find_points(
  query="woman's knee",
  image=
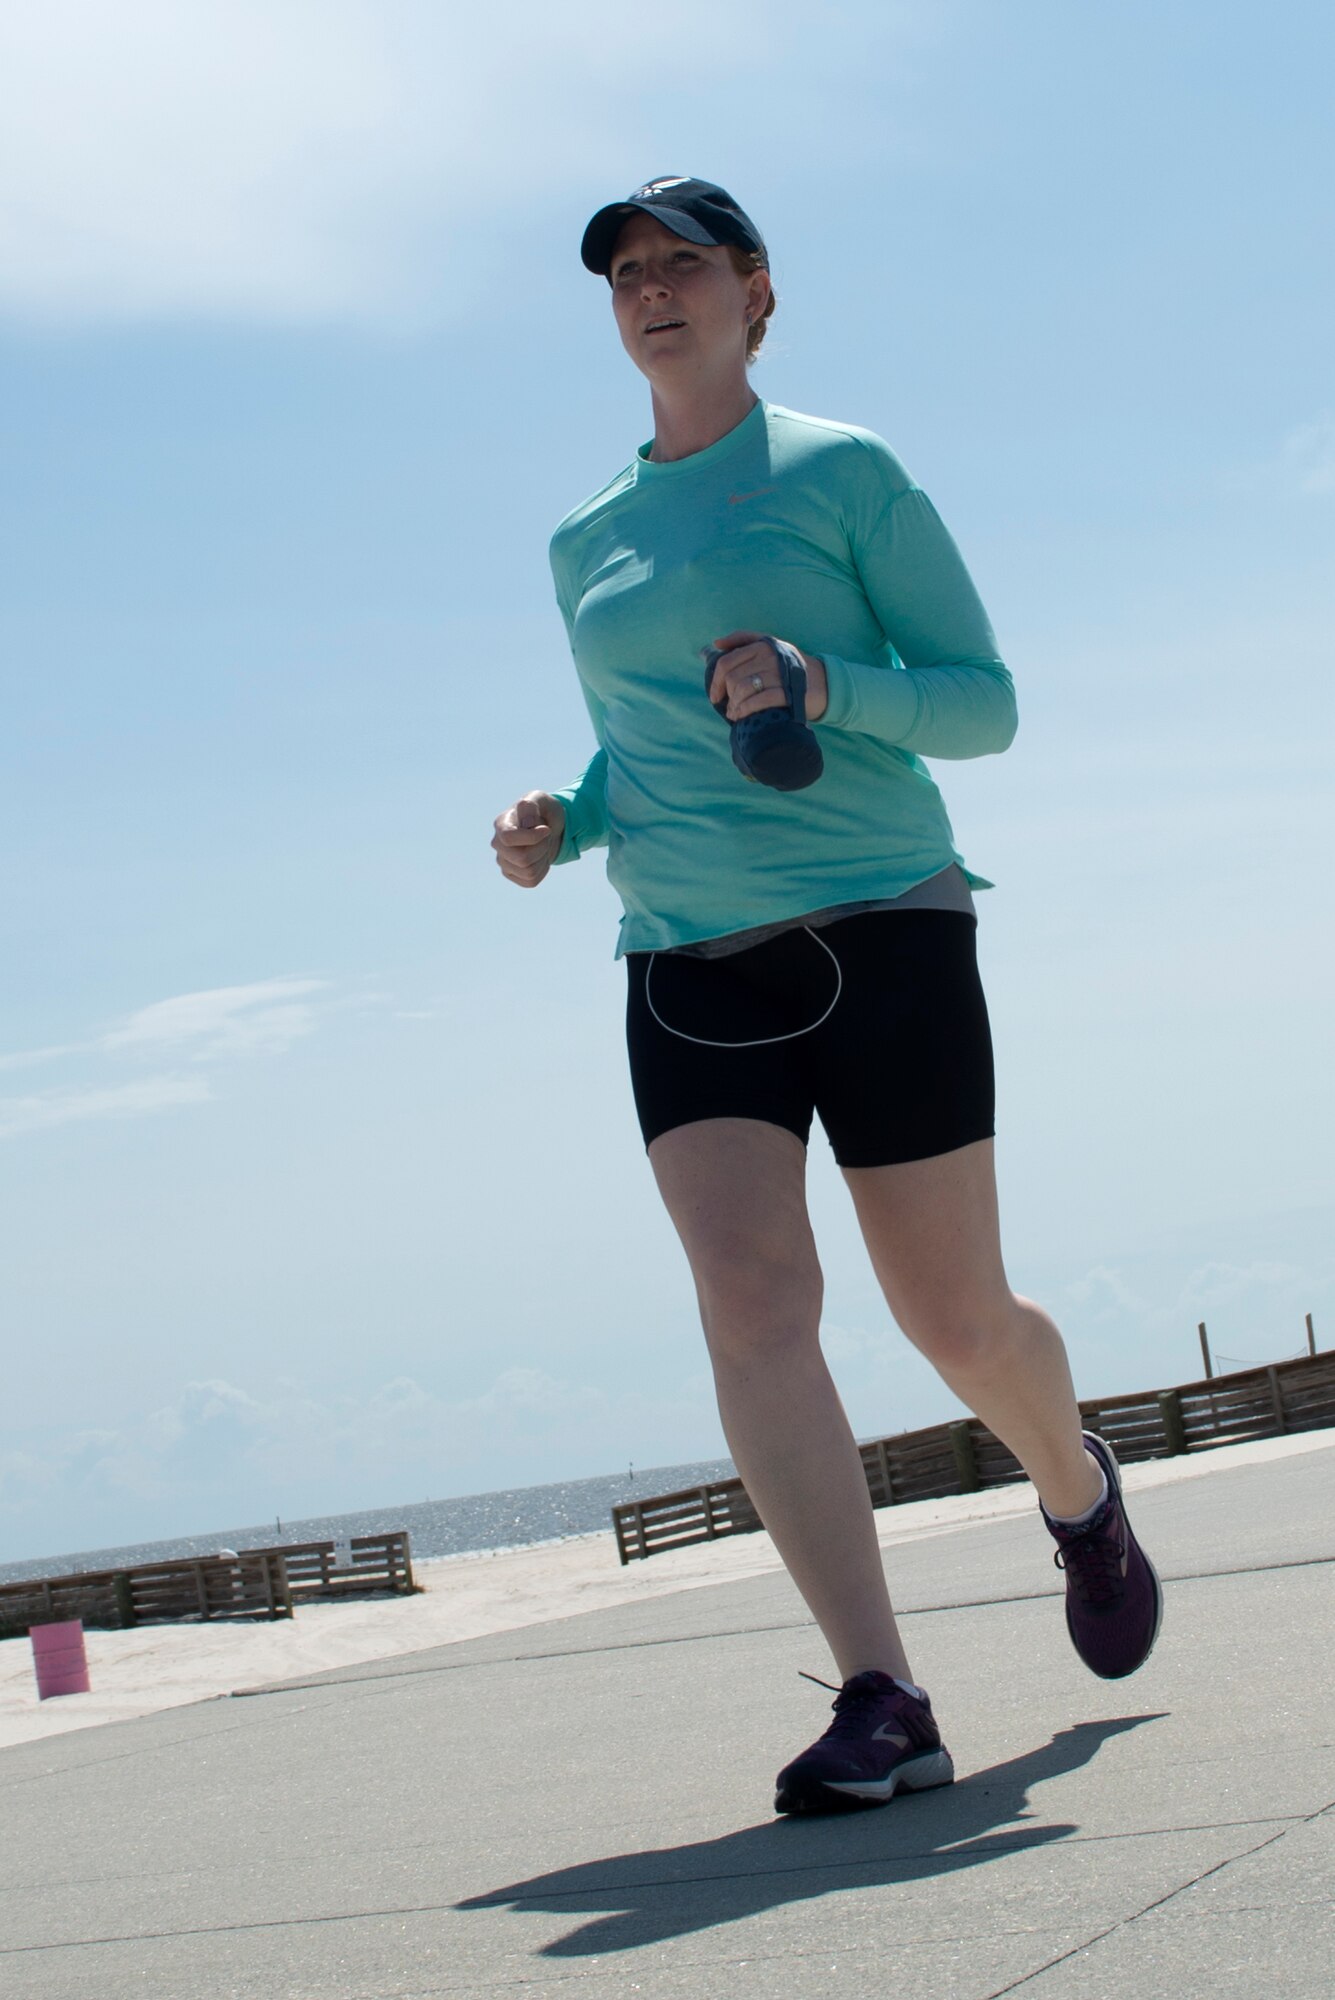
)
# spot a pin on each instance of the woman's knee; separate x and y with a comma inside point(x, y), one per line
point(754, 1306)
point(978, 1340)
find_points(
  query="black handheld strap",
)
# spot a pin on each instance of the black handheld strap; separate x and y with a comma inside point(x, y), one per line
point(775, 746)
point(792, 676)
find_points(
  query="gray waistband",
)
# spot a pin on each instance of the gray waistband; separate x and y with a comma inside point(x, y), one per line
point(947, 891)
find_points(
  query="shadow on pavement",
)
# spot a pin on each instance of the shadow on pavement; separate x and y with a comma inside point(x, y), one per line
point(660, 1893)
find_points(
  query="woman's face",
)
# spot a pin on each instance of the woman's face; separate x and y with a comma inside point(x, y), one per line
point(680, 307)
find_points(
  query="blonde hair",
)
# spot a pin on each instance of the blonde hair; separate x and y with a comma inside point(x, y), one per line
point(745, 263)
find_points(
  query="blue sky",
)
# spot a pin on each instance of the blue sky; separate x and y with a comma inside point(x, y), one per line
point(319, 1182)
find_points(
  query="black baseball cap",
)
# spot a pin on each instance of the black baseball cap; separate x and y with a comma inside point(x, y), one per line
point(697, 210)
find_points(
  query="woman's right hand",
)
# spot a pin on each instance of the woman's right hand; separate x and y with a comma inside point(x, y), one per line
point(528, 838)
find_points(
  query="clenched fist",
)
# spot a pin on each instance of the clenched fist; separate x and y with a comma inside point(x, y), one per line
point(528, 838)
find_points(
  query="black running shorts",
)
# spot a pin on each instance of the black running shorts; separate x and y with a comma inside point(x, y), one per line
point(876, 1022)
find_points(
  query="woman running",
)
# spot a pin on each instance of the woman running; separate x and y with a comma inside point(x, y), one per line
point(805, 944)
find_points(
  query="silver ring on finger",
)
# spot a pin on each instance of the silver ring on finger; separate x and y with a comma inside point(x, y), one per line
point(757, 682)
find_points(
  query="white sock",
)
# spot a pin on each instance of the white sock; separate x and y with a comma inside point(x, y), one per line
point(1083, 1520)
point(919, 1694)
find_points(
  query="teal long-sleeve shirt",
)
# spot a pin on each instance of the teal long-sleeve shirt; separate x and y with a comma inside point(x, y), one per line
point(815, 532)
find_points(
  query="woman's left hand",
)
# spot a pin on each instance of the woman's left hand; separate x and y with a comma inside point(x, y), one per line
point(749, 674)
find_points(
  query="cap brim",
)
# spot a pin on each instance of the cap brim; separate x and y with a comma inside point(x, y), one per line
point(601, 235)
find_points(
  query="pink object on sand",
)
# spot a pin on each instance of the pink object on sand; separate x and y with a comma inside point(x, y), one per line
point(59, 1657)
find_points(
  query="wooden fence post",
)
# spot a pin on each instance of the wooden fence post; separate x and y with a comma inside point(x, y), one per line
point(120, 1584)
point(966, 1461)
point(1205, 1351)
point(1174, 1430)
point(883, 1454)
point(275, 1577)
point(1311, 1337)
point(1277, 1400)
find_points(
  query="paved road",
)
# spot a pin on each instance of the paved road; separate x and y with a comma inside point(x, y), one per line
point(582, 1809)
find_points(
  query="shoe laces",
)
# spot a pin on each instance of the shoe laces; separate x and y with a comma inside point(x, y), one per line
point(853, 1704)
point(1092, 1561)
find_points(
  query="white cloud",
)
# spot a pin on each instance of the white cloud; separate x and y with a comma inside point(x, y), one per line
point(1253, 1314)
point(306, 160)
point(343, 160)
point(530, 1389)
point(1103, 1297)
point(217, 1450)
point(1309, 456)
point(855, 1343)
point(1213, 1285)
point(30, 1058)
point(1103, 1300)
point(264, 1018)
point(126, 1100)
point(32, 1479)
point(220, 1024)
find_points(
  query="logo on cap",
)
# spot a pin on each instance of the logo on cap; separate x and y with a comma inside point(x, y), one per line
point(657, 187)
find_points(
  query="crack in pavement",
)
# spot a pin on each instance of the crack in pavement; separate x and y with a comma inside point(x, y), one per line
point(352, 1677)
point(1159, 1902)
point(139, 1752)
point(1021, 1839)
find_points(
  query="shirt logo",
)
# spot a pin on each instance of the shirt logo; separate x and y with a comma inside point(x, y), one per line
point(736, 499)
point(657, 187)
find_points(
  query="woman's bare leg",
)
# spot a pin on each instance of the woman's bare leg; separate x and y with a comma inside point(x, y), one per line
point(932, 1232)
point(736, 1191)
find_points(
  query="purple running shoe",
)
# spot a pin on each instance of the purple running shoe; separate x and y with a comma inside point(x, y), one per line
point(1114, 1600)
point(883, 1740)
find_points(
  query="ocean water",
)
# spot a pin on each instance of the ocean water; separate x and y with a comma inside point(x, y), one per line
point(472, 1523)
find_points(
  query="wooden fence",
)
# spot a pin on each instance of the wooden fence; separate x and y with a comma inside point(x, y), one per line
point(964, 1457)
point(376, 1562)
point(254, 1583)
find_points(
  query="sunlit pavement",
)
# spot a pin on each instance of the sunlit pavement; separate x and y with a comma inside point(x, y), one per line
point(583, 1807)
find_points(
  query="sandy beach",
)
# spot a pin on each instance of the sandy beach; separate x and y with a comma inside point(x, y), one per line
point(154, 1667)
